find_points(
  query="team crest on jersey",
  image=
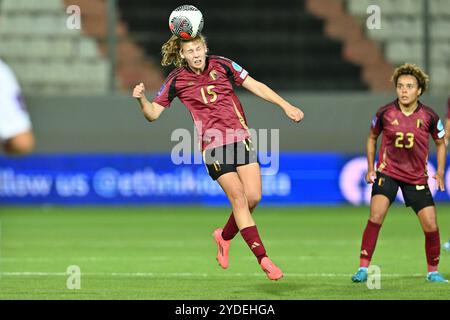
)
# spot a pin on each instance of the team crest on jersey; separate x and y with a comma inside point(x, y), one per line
point(213, 74)
point(419, 123)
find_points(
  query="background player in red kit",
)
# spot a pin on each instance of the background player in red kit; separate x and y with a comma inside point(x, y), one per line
point(204, 84)
point(446, 245)
point(405, 125)
point(447, 123)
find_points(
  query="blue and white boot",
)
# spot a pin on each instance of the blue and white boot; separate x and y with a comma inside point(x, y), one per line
point(435, 277)
point(360, 275)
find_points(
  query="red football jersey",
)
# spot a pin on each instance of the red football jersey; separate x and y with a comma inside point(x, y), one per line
point(404, 143)
point(216, 110)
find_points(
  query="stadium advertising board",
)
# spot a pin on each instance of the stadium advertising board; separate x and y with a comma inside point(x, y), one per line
point(302, 178)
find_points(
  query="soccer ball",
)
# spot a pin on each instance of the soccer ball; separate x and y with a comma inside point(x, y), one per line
point(446, 246)
point(186, 22)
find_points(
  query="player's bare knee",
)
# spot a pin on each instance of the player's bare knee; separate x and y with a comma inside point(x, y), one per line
point(238, 199)
point(253, 200)
point(429, 226)
point(376, 217)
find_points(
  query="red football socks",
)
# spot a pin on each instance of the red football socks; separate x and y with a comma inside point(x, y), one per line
point(369, 241)
point(251, 236)
point(432, 249)
point(230, 229)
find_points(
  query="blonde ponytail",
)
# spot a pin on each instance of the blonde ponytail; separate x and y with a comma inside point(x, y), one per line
point(170, 50)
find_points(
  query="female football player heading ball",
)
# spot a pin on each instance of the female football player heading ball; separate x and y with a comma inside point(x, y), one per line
point(405, 125)
point(204, 84)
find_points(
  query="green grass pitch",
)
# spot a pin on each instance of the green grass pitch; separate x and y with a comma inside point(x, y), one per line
point(168, 253)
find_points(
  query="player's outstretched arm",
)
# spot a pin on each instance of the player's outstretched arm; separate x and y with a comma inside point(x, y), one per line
point(441, 156)
point(447, 131)
point(151, 110)
point(371, 148)
point(263, 91)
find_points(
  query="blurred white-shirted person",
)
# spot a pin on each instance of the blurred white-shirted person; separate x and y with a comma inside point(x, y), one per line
point(16, 133)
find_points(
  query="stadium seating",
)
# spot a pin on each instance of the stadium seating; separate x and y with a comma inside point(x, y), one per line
point(48, 57)
point(288, 47)
point(283, 46)
point(402, 31)
point(51, 59)
point(357, 48)
point(41, 6)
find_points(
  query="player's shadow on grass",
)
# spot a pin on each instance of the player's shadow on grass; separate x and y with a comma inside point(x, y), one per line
point(281, 288)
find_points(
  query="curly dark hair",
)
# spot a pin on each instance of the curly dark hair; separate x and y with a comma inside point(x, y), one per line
point(413, 70)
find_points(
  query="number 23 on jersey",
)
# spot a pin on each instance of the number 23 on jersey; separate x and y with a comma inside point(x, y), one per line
point(400, 140)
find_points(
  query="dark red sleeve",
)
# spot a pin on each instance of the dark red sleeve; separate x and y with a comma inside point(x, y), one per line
point(448, 108)
point(436, 129)
point(377, 122)
point(237, 73)
point(166, 93)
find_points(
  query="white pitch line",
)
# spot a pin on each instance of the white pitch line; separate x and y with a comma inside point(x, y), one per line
point(53, 259)
point(204, 275)
point(148, 258)
point(148, 244)
point(159, 258)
